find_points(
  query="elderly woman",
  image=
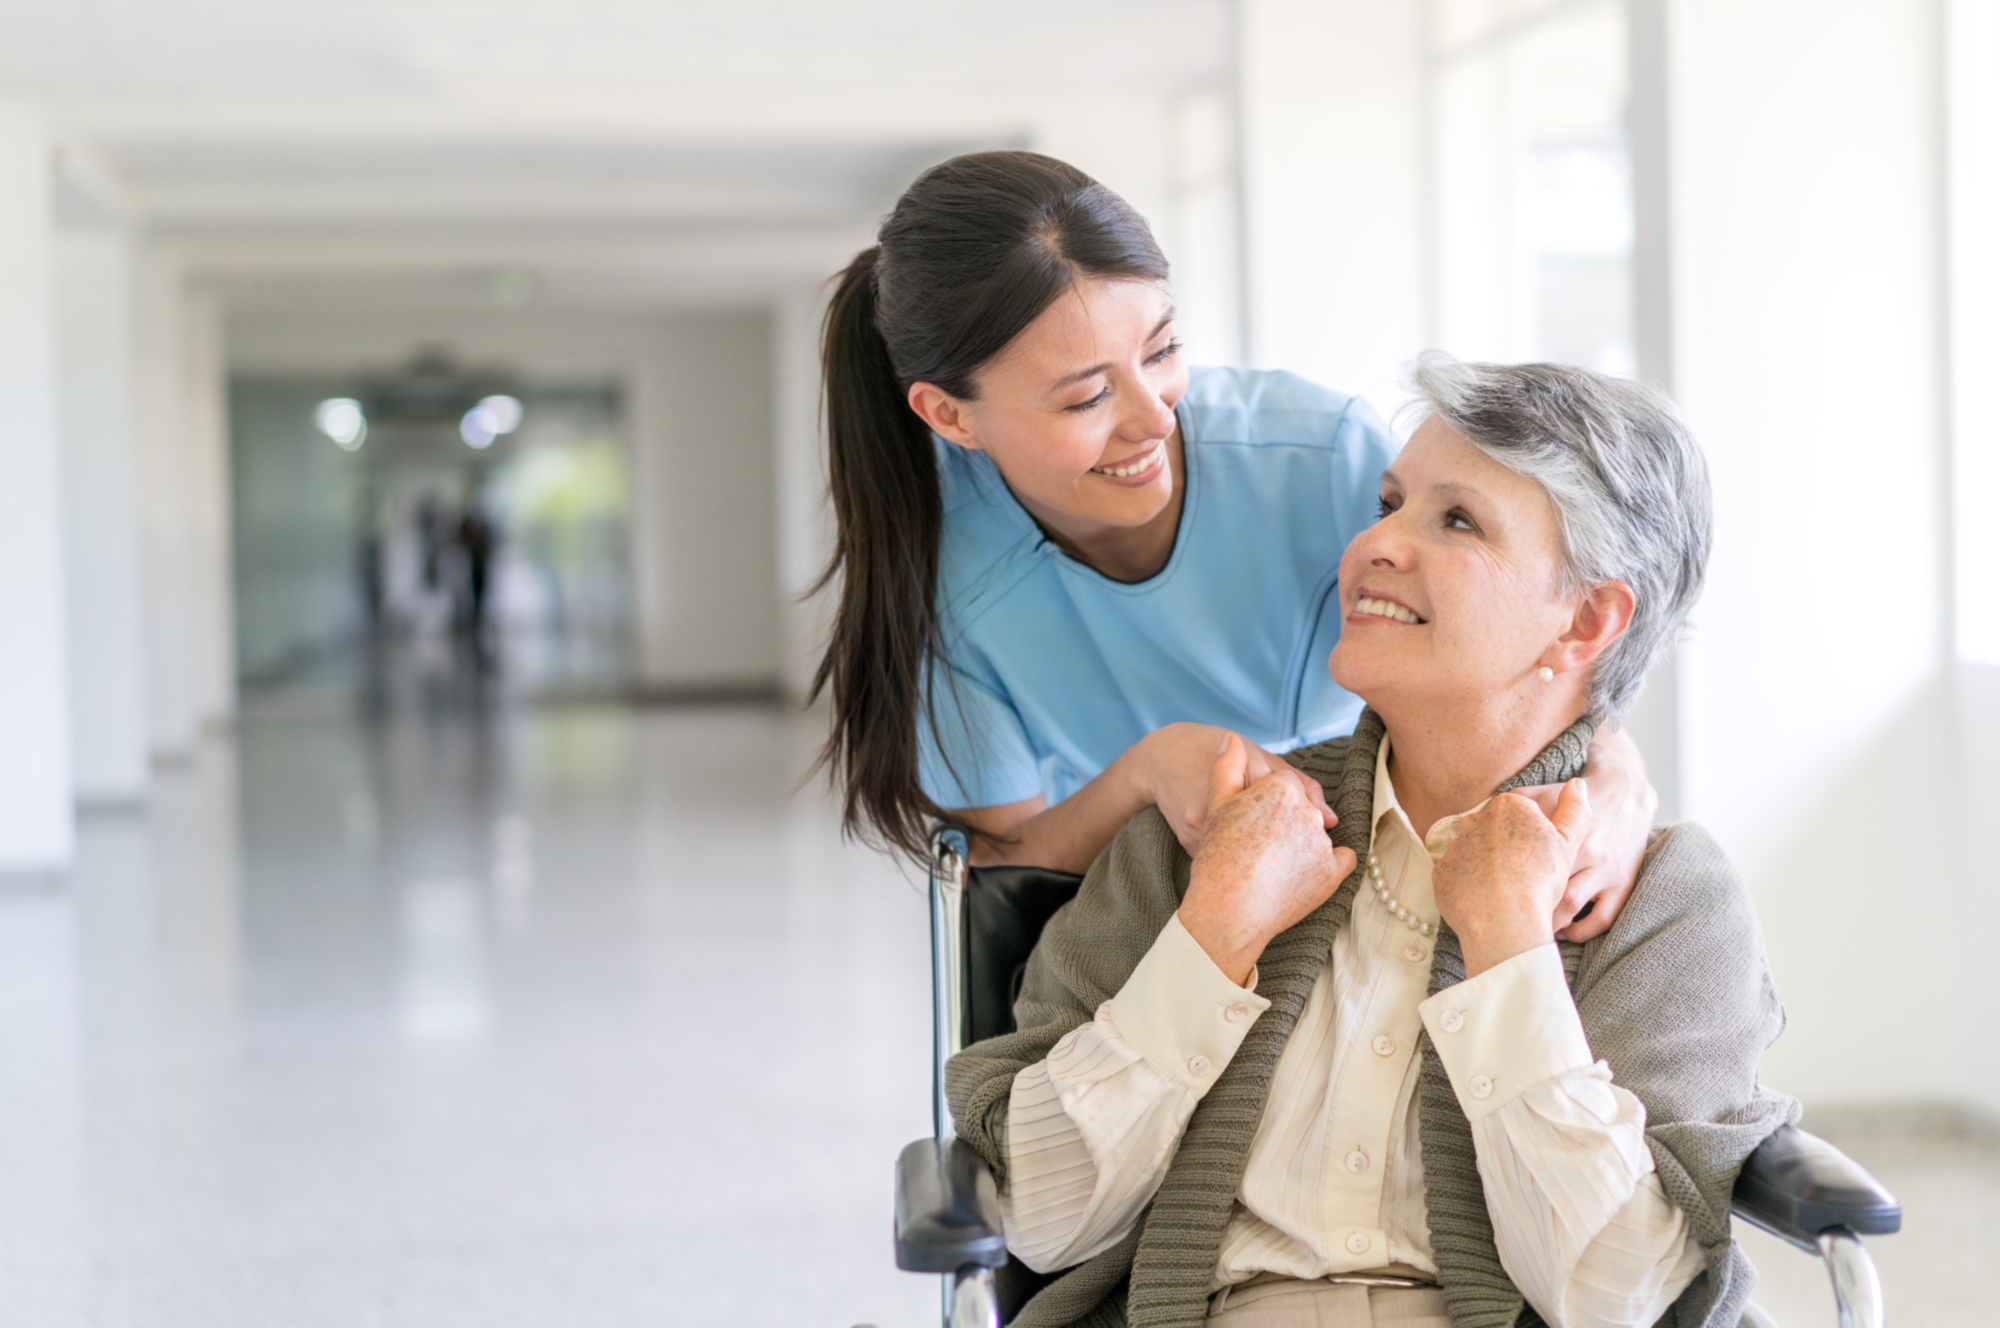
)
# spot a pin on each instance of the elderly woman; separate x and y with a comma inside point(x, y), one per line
point(1352, 1078)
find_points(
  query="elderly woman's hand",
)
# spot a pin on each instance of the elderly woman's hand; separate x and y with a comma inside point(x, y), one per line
point(1265, 861)
point(1498, 884)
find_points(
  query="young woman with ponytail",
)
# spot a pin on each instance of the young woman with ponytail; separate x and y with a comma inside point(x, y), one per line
point(1071, 568)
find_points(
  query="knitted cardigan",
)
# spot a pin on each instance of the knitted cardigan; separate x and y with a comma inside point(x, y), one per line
point(1676, 996)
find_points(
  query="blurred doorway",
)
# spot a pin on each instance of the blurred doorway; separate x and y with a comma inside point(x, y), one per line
point(438, 529)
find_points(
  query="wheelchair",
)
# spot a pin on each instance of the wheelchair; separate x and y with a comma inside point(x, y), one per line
point(984, 923)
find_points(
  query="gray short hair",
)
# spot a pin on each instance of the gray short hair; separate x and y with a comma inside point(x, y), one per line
point(1629, 483)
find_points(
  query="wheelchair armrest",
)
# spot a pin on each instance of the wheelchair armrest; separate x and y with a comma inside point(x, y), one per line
point(1797, 1185)
point(947, 1209)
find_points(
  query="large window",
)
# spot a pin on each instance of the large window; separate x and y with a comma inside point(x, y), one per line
point(1532, 189)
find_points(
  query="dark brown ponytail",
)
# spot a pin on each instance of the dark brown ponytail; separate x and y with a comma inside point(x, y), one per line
point(973, 253)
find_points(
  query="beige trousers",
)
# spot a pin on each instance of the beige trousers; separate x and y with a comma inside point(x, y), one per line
point(1290, 1303)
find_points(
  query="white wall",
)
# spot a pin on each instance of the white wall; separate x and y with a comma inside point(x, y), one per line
point(804, 516)
point(1334, 152)
point(1972, 146)
point(1816, 717)
point(1203, 230)
point(1973, 792)
point(707, 614)
point(107, 682)
point(35, 796)
point(1972, 159)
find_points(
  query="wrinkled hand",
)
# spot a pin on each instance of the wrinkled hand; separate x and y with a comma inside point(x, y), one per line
point(1178, 763)
point(1498, 884)
point(1623, 804)
point(1265, 861)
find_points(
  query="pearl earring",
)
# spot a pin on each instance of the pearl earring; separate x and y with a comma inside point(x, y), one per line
point(1545, 673)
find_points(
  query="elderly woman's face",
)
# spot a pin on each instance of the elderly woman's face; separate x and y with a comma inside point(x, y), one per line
point(1456, 592)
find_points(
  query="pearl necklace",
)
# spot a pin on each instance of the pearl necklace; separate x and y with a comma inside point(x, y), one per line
point(1381, 888)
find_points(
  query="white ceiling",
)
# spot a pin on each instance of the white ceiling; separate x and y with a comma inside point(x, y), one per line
point(133, 51)
point(303, 153)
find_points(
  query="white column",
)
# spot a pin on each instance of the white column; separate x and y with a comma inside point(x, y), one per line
point(1972, 46)
point(1333, 142)
point(1973, 161)
point(1807, 339)
point(166, 543)
point(100, 514)
point(36, 830)
point(205, 439)
point(805, 520)
point(1655, 719)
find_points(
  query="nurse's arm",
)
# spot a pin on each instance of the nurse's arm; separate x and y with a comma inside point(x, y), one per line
point(1170, 768)
point(1624, 803)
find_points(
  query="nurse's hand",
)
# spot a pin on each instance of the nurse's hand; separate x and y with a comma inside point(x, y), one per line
point(1623, 805)
point(1265, 862)
point(1177, 767)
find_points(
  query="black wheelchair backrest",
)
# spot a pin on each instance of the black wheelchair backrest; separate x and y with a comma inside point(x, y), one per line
point(1005, 911)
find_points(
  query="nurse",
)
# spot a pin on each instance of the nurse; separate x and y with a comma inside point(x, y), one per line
point(1071, 567)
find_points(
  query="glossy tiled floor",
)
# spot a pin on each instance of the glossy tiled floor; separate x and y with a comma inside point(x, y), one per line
point(560, 1016)
point(571, 1017)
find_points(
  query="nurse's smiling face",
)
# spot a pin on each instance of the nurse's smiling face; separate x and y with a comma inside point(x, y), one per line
point(1078, 414)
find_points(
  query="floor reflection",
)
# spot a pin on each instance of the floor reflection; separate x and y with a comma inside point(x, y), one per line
point(560, 1015)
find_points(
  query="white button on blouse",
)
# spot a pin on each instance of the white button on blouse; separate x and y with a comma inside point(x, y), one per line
point(1451, 1021)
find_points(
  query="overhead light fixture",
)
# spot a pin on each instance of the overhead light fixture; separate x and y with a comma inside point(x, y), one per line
point(492, 417)
point(341, 419)
point(506, 412)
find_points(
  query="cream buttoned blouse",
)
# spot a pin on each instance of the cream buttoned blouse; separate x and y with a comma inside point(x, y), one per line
point(1334, 1183)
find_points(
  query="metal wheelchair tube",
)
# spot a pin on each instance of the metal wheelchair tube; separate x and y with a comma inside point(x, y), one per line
point(949, 853)
point(973, 1302)
point(1857, 1292)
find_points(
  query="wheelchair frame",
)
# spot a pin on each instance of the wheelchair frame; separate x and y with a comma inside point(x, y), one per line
point(1795, 1186)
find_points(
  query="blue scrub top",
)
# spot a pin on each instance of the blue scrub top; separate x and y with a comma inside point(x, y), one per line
point(1055, 669)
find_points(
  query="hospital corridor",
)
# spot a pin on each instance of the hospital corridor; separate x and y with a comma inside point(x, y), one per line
point(466, 823)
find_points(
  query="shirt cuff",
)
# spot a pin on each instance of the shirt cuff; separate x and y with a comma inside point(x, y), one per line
point(1510, 1028)
point(1181, 1013)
